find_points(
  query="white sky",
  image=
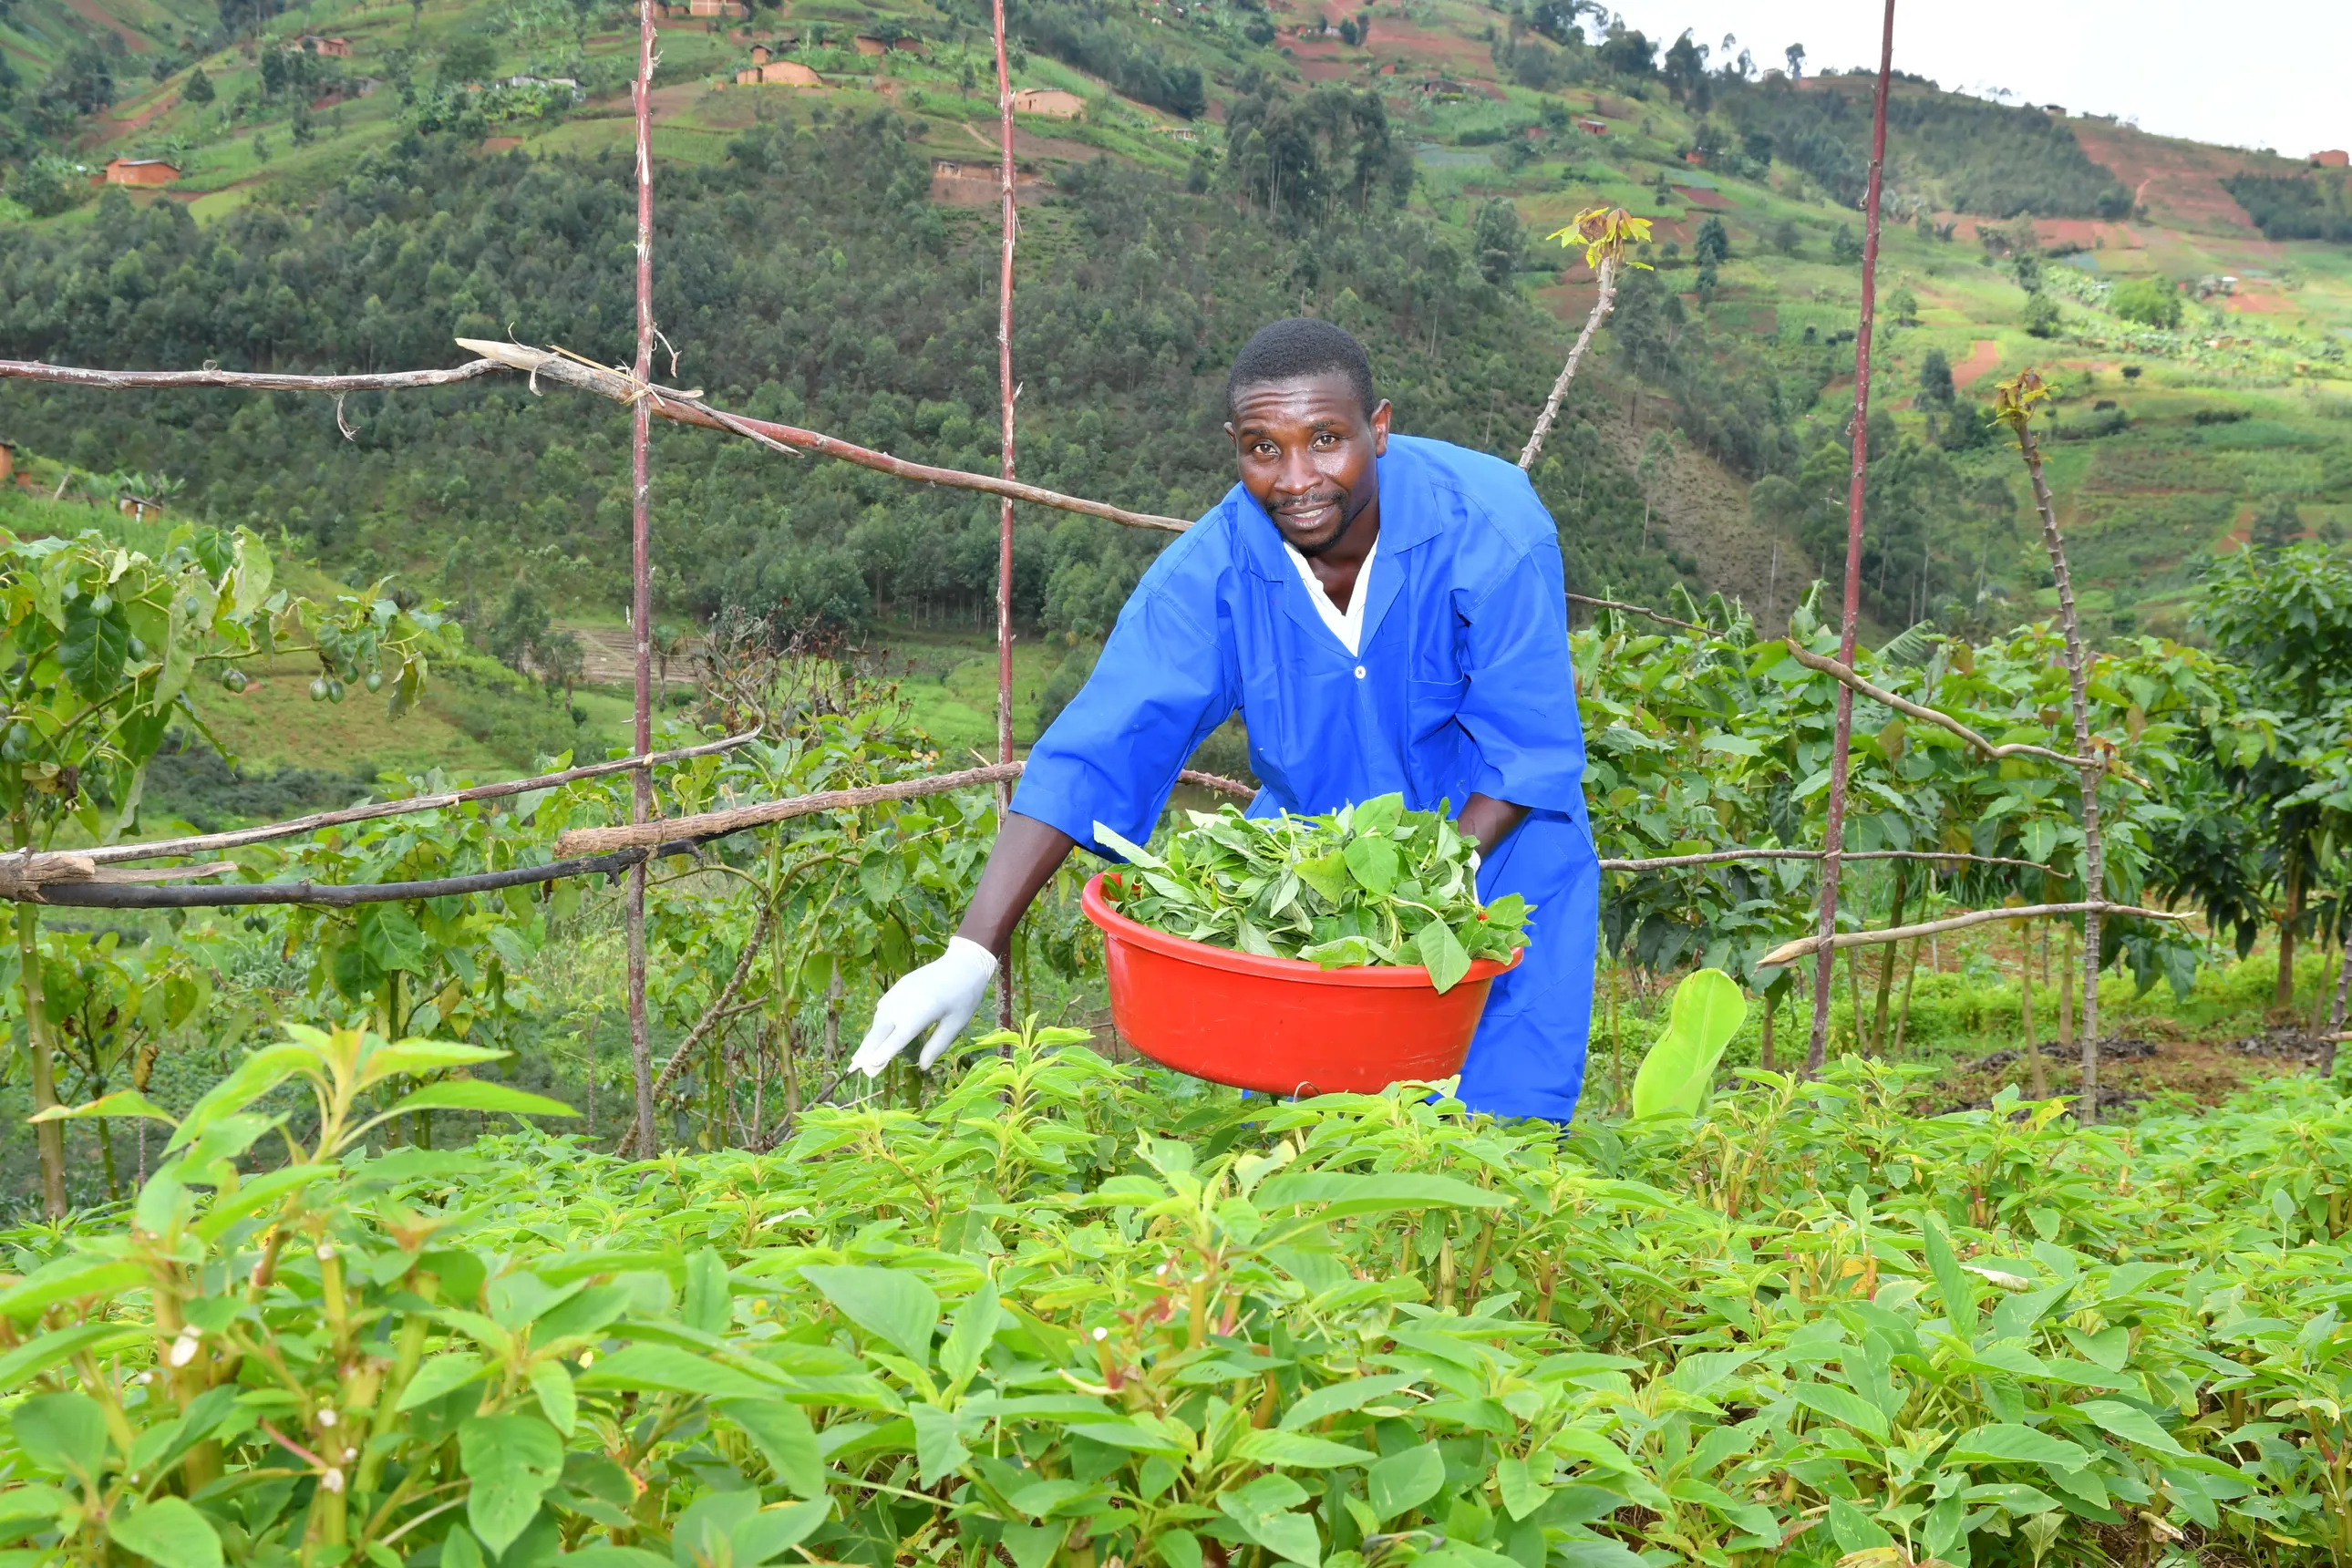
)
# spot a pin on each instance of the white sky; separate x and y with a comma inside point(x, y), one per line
point(2270, 73)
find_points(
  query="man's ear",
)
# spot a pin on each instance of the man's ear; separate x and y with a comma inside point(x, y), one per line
point(1380, 428)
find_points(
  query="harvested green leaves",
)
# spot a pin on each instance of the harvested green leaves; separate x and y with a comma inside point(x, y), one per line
point(1374, 884)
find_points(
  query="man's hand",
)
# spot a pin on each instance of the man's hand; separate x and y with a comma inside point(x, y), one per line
point(940, 996)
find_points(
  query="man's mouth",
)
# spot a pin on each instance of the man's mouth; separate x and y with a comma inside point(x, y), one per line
point(1309, 514)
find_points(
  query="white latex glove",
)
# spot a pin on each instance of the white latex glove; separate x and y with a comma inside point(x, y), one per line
point(940, 996)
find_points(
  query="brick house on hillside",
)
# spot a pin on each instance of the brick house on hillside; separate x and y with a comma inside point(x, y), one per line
point(2333, 158)
point(333, 49)
point(140, 171)
point(1052, 101)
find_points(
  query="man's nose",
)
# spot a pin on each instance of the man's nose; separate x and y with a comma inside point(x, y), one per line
point(1297, 473)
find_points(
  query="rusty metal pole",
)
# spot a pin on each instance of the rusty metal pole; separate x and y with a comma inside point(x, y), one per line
point(1004, 391)
point(1842, 745)
point(641, 801)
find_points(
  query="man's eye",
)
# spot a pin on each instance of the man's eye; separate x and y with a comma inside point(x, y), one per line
point(1324, 439)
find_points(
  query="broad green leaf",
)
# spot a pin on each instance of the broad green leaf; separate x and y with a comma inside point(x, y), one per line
point(64, 1434)
point(168, 1532)
point(1842, 1405)
point(771, 1532)
point(1521, 1493)
point(1135, 853)
point(896, 1307)
point(1328, 875)
point(57, 1346)
point(1441, 954)
point(435, 1378)
point(126, 1102)
point(552, 1386)
point(417, 1057)
point(2011, 1443)
point(67, 1278)
point(781, 1431)
point(1338, 1195)
point(974, 1327)
point(93, 648)
point(1404, 1481)
point(709, 1308)
point(940, 1449)
point(1952, 1282)
point(666, 1369)
point(2131, 1424)
point(493, 1098)
point(511, 1460)
point(1373, 864)
point(1678, 1071)
point(1274, 1445)
point(1340, 1397)
point(254, 1076)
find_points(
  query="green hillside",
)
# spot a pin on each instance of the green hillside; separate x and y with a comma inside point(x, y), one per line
point(826, 253)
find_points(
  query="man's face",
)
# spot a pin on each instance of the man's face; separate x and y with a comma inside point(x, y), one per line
point(1305, 448)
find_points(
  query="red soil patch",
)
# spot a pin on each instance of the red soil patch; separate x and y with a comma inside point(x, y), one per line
point(1326, 68)
point(1714, 201)
point(979, 184)
point(501, 143)
point(2177, 183)
point(1027, 145)
point(139, 122)
point(89, 11)
point(2258, 301)
point(1984, 355)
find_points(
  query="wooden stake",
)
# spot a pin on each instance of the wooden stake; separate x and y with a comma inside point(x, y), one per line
point(1842, 740)
point(1005, 393)
point(641, 581)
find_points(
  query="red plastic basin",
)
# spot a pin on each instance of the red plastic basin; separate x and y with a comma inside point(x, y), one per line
point(1282, 1024)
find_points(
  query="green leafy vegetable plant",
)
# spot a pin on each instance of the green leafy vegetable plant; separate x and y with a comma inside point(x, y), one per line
point(1372, 884)
point(1706, 1011)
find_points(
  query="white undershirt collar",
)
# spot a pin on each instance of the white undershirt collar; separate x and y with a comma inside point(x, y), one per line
point(1347, 624)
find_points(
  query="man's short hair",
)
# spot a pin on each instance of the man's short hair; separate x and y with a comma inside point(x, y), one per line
point(1296, 348)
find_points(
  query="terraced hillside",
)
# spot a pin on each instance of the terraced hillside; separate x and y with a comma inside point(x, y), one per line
point(1705, 435)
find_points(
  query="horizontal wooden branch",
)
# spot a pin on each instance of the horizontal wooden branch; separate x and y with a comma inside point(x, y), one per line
point(1721, 857)
point(1639, 610)
point(1832, 669)
point(110, 895)
point(243, 380)
point(206, 843)
point(1789, 953)
point(735, 819)
point(687, 408)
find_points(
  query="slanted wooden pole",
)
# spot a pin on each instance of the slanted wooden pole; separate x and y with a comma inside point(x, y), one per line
point(641, 616)
point(1841, 742)
point(1004, 391)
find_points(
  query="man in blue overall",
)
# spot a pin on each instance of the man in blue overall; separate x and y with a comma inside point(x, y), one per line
point(1387, 613)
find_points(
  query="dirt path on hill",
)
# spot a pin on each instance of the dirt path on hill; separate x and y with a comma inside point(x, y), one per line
point(90, 11)
point(1984, 356)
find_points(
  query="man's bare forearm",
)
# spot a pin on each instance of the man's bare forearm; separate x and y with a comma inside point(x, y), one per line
point(1027, 855)
point(1490, 821)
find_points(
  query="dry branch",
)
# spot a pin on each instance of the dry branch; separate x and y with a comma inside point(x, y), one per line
point(243, 380)
point(1843, 673)
point(735, 819)
point(687, 409)
point(716, 1012)
point(1720, 856)
point(1607, 273)
point(1639, 610)
point(1858, 433)
point(206, 843)
point(121, 895)
point(1789, 953)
